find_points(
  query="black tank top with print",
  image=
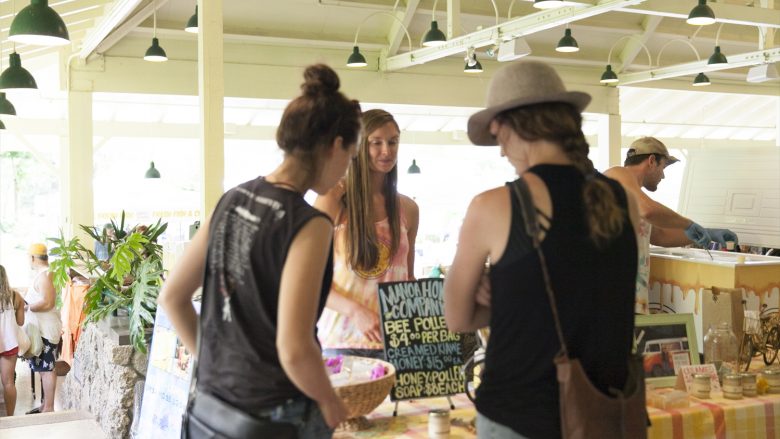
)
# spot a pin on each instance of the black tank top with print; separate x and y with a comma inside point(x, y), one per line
point(250, 234)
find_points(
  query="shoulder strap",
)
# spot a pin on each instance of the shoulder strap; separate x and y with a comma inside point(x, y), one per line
point(523, 195)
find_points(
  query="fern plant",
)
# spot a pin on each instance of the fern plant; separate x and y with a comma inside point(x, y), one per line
point(130, 279)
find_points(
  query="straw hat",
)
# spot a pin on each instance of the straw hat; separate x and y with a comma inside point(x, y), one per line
point(38, 249)
point(518, 84)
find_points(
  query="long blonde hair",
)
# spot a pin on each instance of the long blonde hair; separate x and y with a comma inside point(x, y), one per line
point(561, 123)
point(6, 293)
point(361, 240)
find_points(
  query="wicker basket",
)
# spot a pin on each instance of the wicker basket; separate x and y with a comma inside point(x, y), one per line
point(363, 397)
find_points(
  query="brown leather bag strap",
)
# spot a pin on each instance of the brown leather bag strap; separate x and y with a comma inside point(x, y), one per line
point(523, 195)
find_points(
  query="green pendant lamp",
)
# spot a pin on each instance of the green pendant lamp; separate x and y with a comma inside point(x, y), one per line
point(609, 76)
point(701, 80)
point(472, 65)
point(356, 59)
point(413, 169)
point(2, 125)
point(6, 107)
point(152, 172)
point(40, 25)
point(155, 53)
point(434, 37)
point(16, 76)
point(717, 57)
point(567, 44)
point(192, 23)
point(701, 15)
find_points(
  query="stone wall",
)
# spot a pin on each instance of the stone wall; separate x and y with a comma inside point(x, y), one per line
point(102, 380)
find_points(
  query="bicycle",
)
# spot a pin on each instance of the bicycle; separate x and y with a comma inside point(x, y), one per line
point(761, 335)
point(473, 368)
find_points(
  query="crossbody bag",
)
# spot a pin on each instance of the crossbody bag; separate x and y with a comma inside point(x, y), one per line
point(208, 417)
point(585, 411)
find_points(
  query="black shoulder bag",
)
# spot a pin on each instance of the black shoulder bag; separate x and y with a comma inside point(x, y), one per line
point(586, 412)
point(208, 417)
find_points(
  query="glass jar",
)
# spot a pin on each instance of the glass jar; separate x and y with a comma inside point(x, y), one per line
point(720, 348)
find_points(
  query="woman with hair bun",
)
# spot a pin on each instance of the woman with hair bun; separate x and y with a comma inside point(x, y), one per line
point(264, 260)
point(587, 226)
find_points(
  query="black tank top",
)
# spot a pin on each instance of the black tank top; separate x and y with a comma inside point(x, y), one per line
point(594, 290)
point(250, 233)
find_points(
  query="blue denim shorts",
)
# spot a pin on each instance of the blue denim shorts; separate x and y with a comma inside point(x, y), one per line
point(302, 412)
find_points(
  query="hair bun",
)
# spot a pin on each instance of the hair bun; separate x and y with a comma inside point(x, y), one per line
point(320, 79)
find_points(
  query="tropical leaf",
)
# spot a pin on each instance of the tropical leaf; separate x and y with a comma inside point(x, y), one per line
point(145, 290)
point(125, 254)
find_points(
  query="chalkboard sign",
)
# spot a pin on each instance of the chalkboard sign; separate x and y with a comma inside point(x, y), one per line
point(426, 355)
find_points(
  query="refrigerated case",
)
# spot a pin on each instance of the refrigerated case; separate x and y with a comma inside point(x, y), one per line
point(679, 277)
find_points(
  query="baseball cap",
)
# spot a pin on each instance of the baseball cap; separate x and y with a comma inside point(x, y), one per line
point(38, 249)
point(650, 145)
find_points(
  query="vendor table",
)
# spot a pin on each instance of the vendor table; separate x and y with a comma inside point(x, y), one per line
point(719, 418)
point(716, 418)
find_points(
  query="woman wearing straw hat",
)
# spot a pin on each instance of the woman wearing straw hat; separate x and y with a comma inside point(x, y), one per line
point(587, 234)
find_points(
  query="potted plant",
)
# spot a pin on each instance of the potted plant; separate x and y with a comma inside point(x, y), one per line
point(126, 273)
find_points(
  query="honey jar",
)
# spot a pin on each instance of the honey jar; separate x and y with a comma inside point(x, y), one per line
point(701, 386)
point(749, 384)
point(732, 386)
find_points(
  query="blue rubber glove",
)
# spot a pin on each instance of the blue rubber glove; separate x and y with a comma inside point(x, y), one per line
point(723, 235)
point(698, 235)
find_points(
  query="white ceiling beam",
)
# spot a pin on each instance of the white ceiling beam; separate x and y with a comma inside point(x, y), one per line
point(516, 27)
point(453, 19)
point(117, 13)
point(396, 31)
point(634, 45)
point(724, 13)
point(122, 31)
point(693, 68)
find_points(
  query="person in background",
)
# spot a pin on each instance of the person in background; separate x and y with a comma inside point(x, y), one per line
point(11, 316)
point(374, 237)
point(267, 258)
point(644, 166)
point(41, 298)
point(588, 238)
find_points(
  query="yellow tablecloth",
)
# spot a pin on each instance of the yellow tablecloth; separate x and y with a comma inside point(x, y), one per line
point(719, 418)
point(747, 418)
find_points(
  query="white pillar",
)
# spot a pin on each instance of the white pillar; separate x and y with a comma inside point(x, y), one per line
point(609, 141)
point(77, 170)
point(211, 89)
point(453, 19)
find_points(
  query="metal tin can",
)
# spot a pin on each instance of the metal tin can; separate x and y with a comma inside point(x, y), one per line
point(772, 377)
point(749, 384)
point(438, 423)
point(732, 386)
point(701, 385)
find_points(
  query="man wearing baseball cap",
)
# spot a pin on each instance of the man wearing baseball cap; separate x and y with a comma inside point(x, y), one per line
point(644, 167)
point(41, 297)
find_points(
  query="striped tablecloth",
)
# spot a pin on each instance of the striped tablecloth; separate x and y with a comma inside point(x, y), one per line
point(719, 418)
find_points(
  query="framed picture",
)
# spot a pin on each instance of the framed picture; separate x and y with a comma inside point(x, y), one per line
point(666, 342)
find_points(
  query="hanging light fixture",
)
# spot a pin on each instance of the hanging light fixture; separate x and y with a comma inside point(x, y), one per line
point(701, 80)
point(155, 53)
point(609, 76)
point(152, 172)
point(192, 23)
point(472, 65)
point(717, 57)
point(6, 107)
point(40, 25)
point(356, 59)
point(701, 15)
point(413, 169)
point(16, 76)
point(434, 37)
point(2, 125)
point(567, 43)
